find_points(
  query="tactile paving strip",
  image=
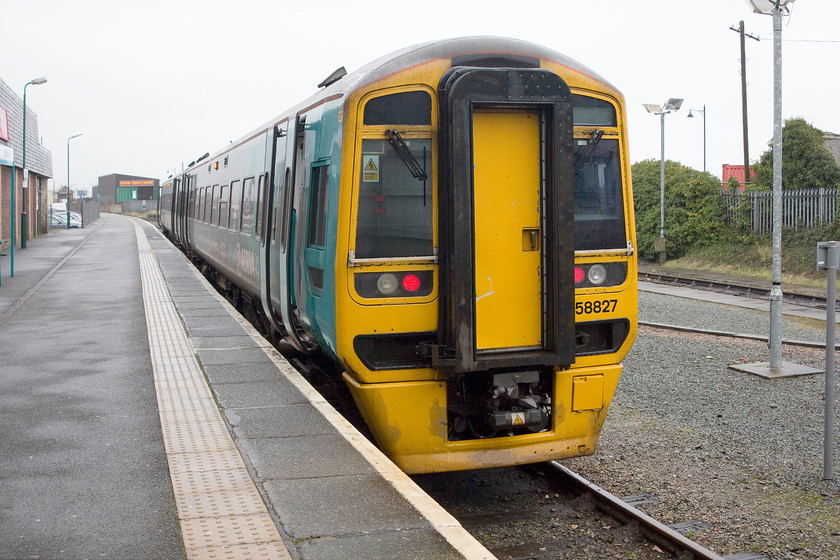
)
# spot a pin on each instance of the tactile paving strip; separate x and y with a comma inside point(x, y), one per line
point(221, 511)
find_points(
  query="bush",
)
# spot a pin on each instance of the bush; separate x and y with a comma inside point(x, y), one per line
point(694, 209)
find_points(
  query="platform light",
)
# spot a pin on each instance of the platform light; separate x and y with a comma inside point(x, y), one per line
point(673, 104)
point(23, 217)
point(775, 8)
point(68, 176)
point(766, 7)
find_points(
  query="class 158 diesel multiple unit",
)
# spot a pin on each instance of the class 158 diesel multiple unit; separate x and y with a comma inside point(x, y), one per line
point(452, 226)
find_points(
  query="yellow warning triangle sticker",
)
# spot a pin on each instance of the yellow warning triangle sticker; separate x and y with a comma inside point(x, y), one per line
point(518, 419)
point(370, 166)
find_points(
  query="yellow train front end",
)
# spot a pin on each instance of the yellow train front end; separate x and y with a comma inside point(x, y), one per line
point(489, 290)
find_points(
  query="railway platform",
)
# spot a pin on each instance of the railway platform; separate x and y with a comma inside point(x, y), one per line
point(144, 418)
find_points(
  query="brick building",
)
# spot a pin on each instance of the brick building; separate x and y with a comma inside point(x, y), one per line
point(33, 199)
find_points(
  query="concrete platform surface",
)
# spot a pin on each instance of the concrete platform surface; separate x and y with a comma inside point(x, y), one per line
point(144, 418)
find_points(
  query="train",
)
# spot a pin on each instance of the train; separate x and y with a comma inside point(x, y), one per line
point(451, 225)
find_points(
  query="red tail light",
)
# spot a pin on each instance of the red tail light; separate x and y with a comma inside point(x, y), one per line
point(411, 283)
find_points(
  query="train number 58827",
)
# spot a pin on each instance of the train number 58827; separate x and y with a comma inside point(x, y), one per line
point(598, 306)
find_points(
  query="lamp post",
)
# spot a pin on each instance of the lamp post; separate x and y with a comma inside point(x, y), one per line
point(23, 215)
point(691, 116)
point(68, 176)
point(775, 8)
point(671, 105)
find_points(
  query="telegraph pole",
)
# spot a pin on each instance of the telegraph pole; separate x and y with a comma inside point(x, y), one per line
point(740, 31)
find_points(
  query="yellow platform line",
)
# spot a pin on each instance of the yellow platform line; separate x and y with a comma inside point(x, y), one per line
point(221, 512)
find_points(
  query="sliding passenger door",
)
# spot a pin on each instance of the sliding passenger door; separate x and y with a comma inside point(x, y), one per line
point(278, 268)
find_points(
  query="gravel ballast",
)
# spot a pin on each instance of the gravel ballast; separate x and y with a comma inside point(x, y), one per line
point(742, 454)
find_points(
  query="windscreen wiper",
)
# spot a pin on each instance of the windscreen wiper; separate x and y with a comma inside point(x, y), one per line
point(594, 138)
point(402, 150)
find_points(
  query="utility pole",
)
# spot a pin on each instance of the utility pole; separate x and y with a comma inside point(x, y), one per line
point(740, 30)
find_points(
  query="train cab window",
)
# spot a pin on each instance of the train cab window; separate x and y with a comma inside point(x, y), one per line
point(395, 203)
point(590, 111)
point(248, 199)
point(395, 206)
point(406, 108)
point(599, 201)
point(235, 204)
point(599, 198)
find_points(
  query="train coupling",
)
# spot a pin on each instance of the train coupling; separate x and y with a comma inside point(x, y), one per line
point(514, 404)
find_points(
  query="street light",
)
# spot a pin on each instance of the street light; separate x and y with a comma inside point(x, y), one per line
point(775, 8)
point(672, 105)
point(68, 176)
point(23, 216)
point(691, 116)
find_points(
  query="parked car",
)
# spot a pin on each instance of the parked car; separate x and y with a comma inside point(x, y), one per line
point(59, 221)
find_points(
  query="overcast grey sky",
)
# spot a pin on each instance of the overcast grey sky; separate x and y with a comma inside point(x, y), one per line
point(154, 84)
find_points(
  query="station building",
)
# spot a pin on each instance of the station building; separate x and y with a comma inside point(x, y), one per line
point(30, 197)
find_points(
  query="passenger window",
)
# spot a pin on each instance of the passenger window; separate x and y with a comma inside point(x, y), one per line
point(261, 205)
point(248, 206)
point(224, 206)
point(235, 204)
point(318, 206)
point(214, 208)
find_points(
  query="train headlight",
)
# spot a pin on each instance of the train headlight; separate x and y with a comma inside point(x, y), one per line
point(398, 284)
point(387, 284)
point(600, 275)
point(597, 274)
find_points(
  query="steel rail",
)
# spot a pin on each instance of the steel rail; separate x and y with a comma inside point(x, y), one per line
point(662, 535)
point(734, 288)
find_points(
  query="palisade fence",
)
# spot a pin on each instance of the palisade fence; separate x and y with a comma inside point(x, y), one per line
point(139, 205)
point(801, 208)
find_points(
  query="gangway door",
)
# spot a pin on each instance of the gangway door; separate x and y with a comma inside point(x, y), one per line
point(506, 220)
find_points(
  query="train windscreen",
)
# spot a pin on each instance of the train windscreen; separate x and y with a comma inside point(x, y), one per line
point(599, 197)
point(599, 200)
point(395, 208)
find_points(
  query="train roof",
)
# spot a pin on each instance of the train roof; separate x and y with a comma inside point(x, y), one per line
point(454, 48)
point(419, 54)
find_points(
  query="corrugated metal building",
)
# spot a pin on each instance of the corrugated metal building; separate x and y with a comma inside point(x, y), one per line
point(116, 188)
point(33, 199)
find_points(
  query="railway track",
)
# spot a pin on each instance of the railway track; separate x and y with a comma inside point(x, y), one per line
point(545, 512)
point(733, 288)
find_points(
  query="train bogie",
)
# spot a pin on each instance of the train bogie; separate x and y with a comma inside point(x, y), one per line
point(452, 225)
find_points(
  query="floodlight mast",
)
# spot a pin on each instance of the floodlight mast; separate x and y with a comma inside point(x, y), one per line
point(673, 104)
point(775, 8)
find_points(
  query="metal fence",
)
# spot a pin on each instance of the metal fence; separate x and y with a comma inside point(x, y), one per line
point(803, 208)
point(139, 205)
